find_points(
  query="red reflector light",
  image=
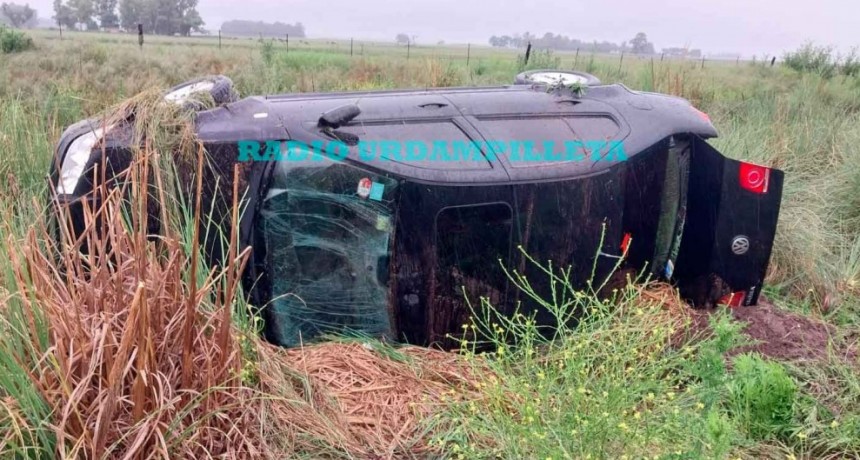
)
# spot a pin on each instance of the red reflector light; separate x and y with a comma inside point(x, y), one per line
point(702, 115)
point(625, 243)
point(733, 300)
point(754, 178)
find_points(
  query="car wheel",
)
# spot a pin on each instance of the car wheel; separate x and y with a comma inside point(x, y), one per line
point(567, 77)
point(218, 86)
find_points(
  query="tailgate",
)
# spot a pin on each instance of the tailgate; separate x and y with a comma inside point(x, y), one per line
point(733, 209)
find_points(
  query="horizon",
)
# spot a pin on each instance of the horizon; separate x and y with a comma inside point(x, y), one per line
point(727, 28)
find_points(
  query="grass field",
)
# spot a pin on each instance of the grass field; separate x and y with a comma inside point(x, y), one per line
point(641, 377)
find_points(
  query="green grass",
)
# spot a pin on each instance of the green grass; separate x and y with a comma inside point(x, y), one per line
point(13, 41)
point(630, 380)
point(619, 384)
point(761, 397)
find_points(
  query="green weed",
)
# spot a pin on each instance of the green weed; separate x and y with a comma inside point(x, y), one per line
point(13, 41)
point(761, 397)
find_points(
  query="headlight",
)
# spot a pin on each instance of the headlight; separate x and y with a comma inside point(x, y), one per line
point(181, 95)
point(76, 159)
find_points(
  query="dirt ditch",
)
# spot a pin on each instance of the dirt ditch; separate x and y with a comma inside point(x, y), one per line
point(780, 334)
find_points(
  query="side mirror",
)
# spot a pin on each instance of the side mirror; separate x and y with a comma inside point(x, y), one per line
point(339, 116)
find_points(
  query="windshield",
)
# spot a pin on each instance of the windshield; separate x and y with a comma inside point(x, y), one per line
point(327, 228)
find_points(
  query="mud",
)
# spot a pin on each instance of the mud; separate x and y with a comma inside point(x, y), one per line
point(777, 333)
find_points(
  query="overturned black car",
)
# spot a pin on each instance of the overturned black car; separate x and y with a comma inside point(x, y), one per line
point(374, 211)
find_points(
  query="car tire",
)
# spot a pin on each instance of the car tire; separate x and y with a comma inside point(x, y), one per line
point(528, 78)
point(218, 86)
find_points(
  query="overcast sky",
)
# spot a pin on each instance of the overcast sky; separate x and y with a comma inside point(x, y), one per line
point(750, 27)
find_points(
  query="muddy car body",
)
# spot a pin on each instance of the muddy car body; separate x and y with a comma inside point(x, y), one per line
point(387, 246)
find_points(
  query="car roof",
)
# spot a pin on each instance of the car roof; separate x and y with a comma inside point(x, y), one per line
point(612, 114)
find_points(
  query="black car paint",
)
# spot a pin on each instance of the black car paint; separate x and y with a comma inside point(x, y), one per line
point(645, 122)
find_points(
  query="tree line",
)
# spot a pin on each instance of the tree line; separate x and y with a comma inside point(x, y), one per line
point(638, 44)
point(242, 28)
point(163, 17)
point(17, 15)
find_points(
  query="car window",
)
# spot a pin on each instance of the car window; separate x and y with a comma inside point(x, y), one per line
point(327, 227)
point(429, 145)
point(545, 141)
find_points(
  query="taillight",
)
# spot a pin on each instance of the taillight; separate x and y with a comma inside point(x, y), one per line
point(732, 300)
point(702, 115)
point(754, 178)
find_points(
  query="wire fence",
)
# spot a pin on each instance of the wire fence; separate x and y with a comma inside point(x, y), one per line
point(459, 53)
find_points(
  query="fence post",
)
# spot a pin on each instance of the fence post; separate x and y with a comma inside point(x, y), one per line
point(620, 62)
point(703, 62)
point(773, 61)
point(408, 44)
point(288, 43)
point(468, 53)
point(61, 31)
point(662, 55)
point(528, 53)
point(738, 61)
point(350, 46)
point(576, 59)
point(219, 39)
point(140, 35)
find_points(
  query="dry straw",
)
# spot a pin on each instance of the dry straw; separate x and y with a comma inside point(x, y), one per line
point(145, 357)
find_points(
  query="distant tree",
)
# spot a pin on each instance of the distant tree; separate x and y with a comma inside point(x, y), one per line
point(163, 17)
point(63, 15)
point(18, 15)
point(517, 41)
point(189, 19)
point(83, 12)
point(190, 22)
point(106, 12)
point(640, 44)
point(553, 41)
point(402, 39)
point(132, 12)
point(255, 28)
point(528, 38)
point(682, 52)
point(501, 42)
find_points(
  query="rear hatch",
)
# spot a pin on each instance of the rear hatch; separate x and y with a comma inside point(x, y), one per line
point(733, 209)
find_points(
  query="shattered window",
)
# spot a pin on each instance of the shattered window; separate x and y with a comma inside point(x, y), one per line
point(327, 227)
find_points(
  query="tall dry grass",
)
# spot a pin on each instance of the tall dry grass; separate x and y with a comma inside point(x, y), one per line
point(140, 361)
point(137, 349)
point(362, 399)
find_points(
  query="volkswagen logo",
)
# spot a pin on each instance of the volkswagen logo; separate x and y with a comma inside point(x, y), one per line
point(740, 245)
